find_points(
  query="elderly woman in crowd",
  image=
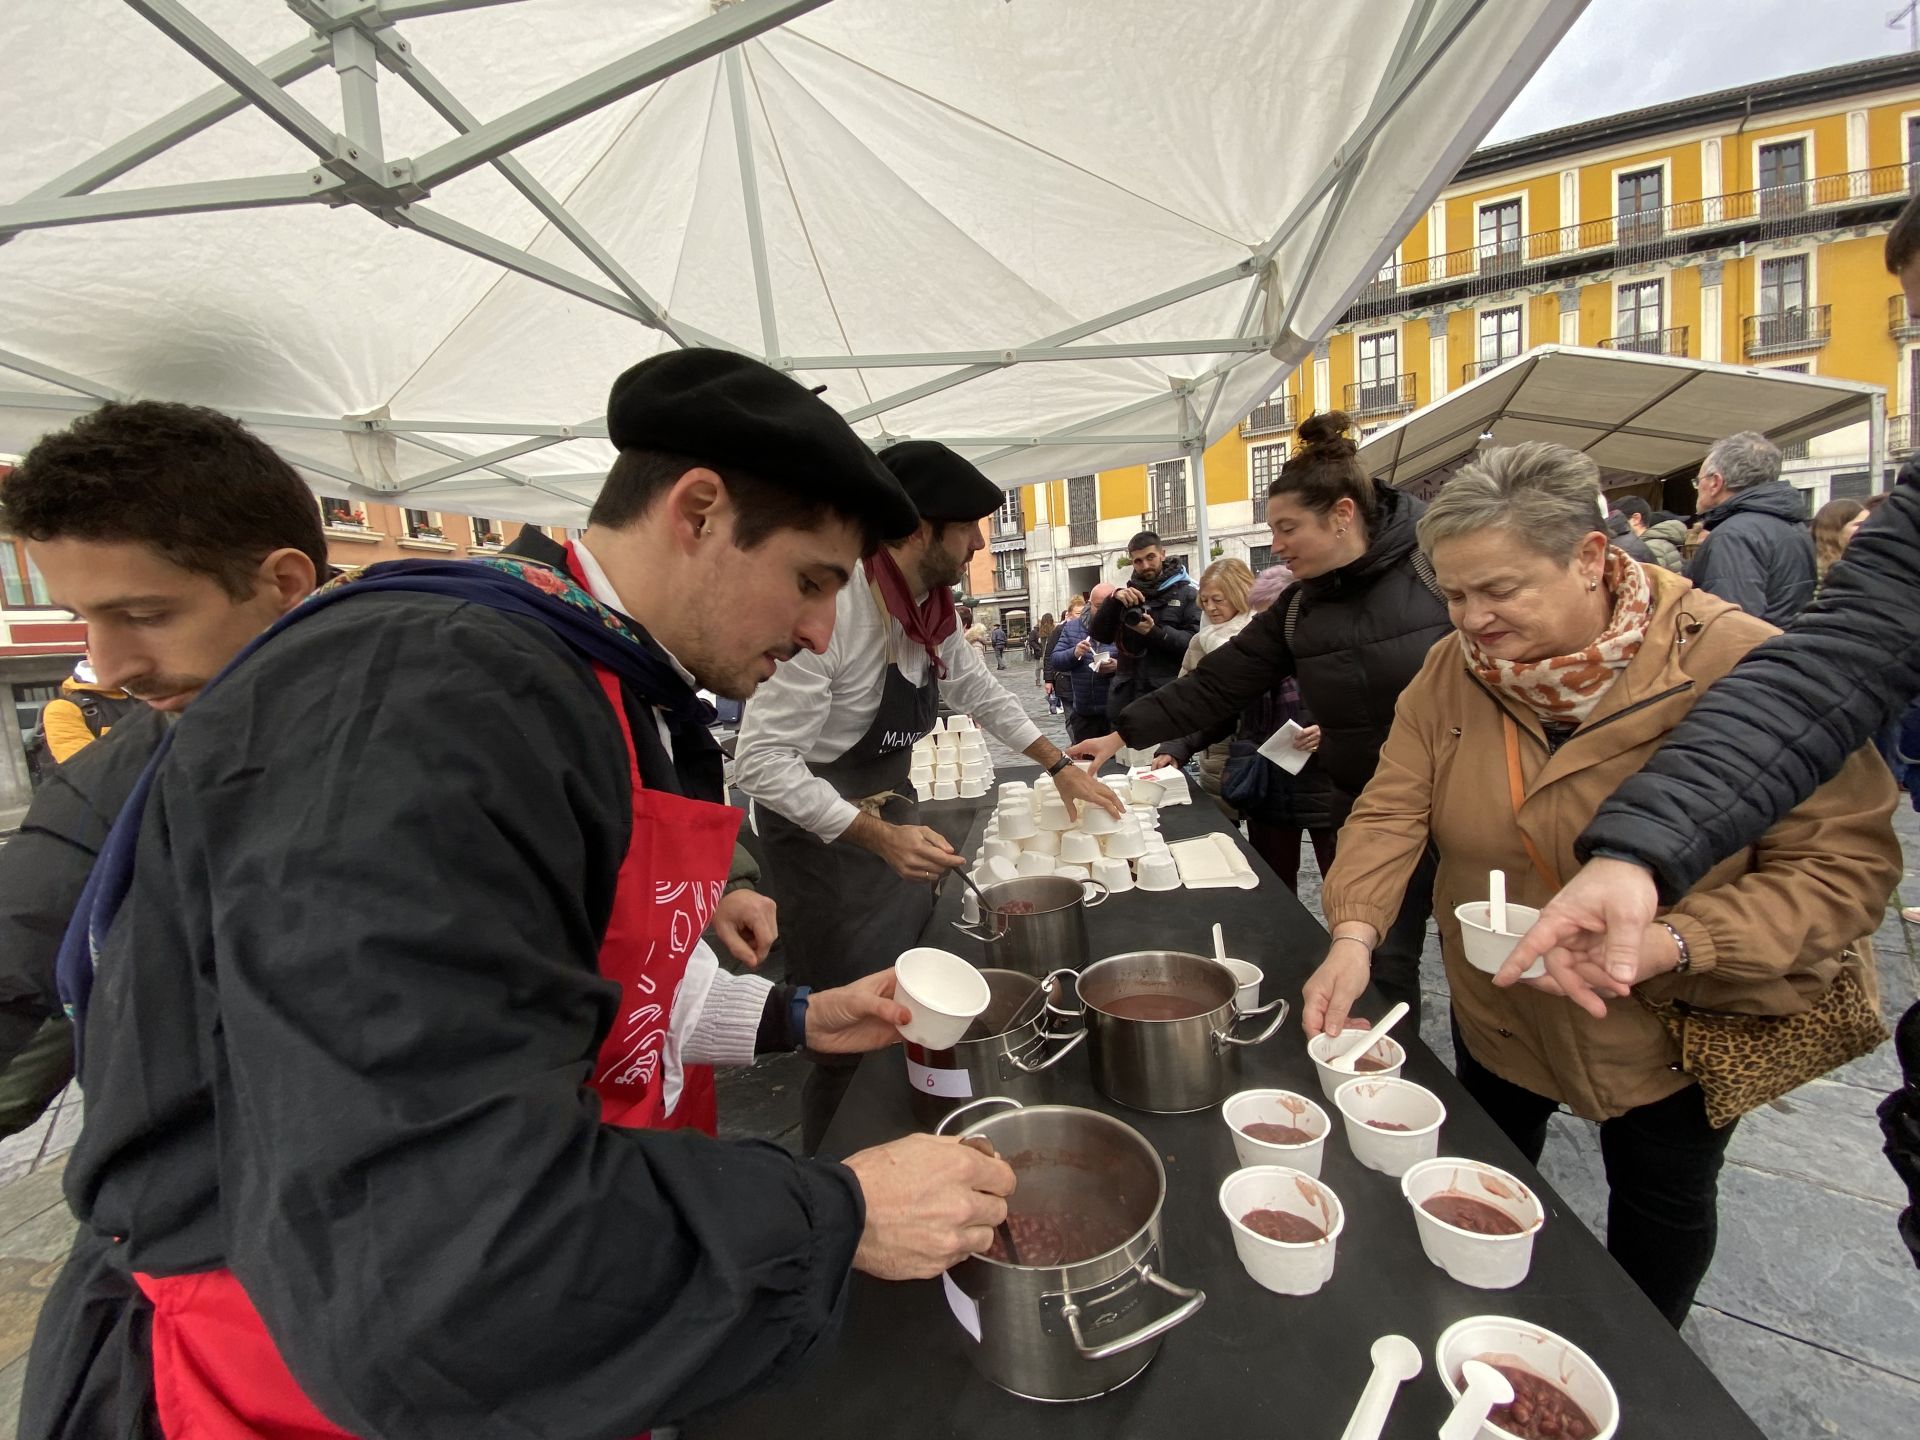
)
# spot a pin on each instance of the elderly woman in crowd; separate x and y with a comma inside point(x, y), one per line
point(1224, 588)
point(1570, 665)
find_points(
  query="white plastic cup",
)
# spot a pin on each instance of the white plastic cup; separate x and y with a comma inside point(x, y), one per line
point(1096, 821)
point(1015, 790)
point(1053, 815)
point(1486, 948)
point(1072, 871)
point(943, 992)
point(960, 723)
point(972, 787)
point(970, 907)
point(1391, 1152)
point(1277, 1107)
point(1032, 862)
point(1508, 1341)
point(1246, 978)
point(997, 869)
point(1321, 1047)
point(1284, 1268)
point(946, 790)
point(1016, 822)
point(1042, 842)
point(945, 771)
point(1078, 848)
point(1113, 873)
point(1001, 848)
point(1158, 872)
point(1486, 1262)
point(1126, 843)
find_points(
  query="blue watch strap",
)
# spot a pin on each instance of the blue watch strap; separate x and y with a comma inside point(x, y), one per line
point(797, 1015)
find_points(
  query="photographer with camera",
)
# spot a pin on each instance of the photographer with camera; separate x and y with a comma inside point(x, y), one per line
point(1152, 619)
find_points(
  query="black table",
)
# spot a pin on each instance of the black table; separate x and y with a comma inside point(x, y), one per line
point(1251, 1362)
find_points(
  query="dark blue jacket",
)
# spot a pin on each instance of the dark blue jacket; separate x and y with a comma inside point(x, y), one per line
point(1074, 682)
point(1758, 553)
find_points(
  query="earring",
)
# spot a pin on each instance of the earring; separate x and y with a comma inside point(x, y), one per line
point(1592, 585)
point(1340, 534)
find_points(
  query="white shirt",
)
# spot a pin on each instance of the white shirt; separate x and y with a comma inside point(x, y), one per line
point(816, 708)
point(716, 1015)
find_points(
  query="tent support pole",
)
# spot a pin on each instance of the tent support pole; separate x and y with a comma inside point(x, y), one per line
point(199, 198)
point(1196, 448)
point(1877, 440)
point(750, 203)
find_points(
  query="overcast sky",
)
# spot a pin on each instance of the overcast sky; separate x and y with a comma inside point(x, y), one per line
point(1623, 54)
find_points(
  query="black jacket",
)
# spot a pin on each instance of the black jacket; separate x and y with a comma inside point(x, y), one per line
point(1149, 661)
point(1758, 553)
point(339, 1043)
point(1075, 684)
point(1360, 634)
point(43, 868)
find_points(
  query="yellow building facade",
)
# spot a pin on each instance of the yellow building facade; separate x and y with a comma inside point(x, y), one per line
point(1744, 227)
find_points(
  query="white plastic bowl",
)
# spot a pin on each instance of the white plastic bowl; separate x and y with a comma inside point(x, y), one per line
point(1277, 1107)
point(1391, 1152)
point(1319, 1047)
point(1486, 1262)
point(1486, 948)
point(942, 992)
point(1503, 1340)
point(1284, 1268)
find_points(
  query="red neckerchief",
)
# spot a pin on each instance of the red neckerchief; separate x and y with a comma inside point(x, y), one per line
point(928, 623)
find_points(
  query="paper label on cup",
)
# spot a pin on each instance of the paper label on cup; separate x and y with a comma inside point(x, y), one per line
point(965, 1308)
point(951, 1083)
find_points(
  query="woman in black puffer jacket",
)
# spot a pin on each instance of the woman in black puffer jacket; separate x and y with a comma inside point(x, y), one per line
point(1353, 630)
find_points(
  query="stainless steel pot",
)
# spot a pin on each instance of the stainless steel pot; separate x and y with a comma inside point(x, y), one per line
point(1007, 1050)
point(1075, 1330)
point(1165, 1065)
point(1050, 936)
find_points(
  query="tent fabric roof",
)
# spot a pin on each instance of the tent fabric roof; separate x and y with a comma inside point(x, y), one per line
point(411, 241)
point(1639, 416)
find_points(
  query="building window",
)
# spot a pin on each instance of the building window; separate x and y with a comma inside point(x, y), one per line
point(1379, 371)
point(1010, 570)
point(422, 526)
point(1641, 198)
point(1913, 152)
point(1640, 310)
point(485, 532)
point(1500, 235)
point(343, 513)
point(28, 702)
point(1783, 177)
point(25, 589)
point(1167, 487)
point(1259, 557)
point(1499, 337)
point(1006, 520)
point(1783, 321)
point(1083, 512)
point(1263, 468)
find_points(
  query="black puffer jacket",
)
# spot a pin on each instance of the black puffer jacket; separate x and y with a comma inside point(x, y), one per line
point(1758, 553)
point(1360, 634)
point(1786, 718)
point(1150, 661)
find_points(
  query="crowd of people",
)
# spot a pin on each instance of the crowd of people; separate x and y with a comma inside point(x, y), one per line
point(371, 910)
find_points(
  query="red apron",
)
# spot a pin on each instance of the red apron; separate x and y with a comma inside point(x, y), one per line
point(217, 1374)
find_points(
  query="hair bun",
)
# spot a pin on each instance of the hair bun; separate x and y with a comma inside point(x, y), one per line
point(1329, 432)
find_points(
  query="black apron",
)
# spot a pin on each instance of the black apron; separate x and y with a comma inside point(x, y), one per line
point(845, 912)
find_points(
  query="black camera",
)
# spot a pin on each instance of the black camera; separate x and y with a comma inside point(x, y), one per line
point(1134, 614)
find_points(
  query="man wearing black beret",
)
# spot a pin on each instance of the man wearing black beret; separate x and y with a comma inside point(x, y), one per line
point(393, 1069)
point(826, 746)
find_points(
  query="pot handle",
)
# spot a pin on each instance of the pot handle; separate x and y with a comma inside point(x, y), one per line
point(1088, 898)
point(1191, 1300)
point(1046, 988)
point(1034, 1067)
point(1005, 1101)
point(1278, 1009)
point(966, 929)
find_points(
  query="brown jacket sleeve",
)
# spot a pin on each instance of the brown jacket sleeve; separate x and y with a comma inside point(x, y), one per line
point(1385, 836)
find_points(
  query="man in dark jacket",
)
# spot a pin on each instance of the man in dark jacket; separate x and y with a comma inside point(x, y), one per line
point(1629, 543)
point(1152, 619)
point(1082, 671)
point(1758, 553)
point(1664, 535)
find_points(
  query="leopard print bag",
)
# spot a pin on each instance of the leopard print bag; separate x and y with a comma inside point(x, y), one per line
point(1745, 1061)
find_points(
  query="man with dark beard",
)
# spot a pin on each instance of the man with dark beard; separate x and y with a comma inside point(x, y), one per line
point(827, 742)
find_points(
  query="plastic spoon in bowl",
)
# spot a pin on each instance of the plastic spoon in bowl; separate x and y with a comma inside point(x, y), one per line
point(1485, 1387)
point(1219, 943)
point(1396, 1360)
point(1350, 1057)
point(1497, 901)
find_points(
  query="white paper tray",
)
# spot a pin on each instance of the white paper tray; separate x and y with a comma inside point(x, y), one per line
point(1213, 862)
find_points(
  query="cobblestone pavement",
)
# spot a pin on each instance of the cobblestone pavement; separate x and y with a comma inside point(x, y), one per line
point(1811, 1315)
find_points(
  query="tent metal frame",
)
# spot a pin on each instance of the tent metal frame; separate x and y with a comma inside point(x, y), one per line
point(360, 38)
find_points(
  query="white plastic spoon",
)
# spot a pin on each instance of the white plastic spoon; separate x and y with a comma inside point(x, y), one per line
point(1497, 901)
point(1396, 1360)
point(1219, 944)
point(1350, 1057)
point(1485, 1388)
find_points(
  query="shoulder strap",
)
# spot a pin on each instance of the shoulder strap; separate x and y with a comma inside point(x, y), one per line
point(1516, 792)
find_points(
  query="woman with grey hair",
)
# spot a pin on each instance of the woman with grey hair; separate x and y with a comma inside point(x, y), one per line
point(1569, 666)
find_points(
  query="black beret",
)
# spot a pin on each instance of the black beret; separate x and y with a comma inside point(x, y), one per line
point(727, 409)
point(941, 485)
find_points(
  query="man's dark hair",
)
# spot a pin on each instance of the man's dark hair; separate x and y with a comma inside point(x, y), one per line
point(1903, 240)
point(1145, 540)
point(640, 477)
point(202, 489)
point(1634, 505)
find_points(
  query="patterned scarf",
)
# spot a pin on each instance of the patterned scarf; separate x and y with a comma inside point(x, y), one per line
point(1565, 688)
point(928, 623)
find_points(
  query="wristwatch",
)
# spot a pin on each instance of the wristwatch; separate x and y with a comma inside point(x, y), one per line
point(1062, 763)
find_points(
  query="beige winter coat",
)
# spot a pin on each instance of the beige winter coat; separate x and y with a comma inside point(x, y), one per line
point(1766, 928)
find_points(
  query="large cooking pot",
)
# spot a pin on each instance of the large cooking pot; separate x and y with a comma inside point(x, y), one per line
point(1050, 935)
point(1089, 1196)
point(1160, 1026)
point(1007, 1050)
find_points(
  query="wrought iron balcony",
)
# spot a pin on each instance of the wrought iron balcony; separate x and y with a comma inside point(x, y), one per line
point(1789, 332)
point(1671, 341)
point(1900, 324)
point(1902, 434)
point(1474, 369)
point(1173, 522)
point(1671, 231)
point(1083, 532)
point(1381, 397)
point(1276, 414)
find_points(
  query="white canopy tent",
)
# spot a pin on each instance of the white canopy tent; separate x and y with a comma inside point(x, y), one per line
point(1641, 417)
point(412, 241)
